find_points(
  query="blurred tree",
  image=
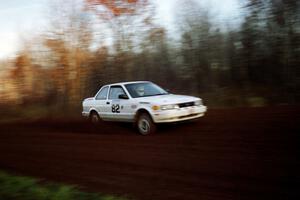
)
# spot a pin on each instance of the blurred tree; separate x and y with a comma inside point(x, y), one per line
point(69, 38)
point(270, 43)
point(156, 49)
point(253, 33)
point(284, 42)
point(122, 16)
point(99, 70)
point(133, 32)
point(20, 74)
point(197, 38)
point(27, 78)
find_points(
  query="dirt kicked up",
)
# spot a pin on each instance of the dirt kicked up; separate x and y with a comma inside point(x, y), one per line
point(229, 154)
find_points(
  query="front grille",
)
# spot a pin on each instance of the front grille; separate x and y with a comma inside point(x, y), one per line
point(187, 104)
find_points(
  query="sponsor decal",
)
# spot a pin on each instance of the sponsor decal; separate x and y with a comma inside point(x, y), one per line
point(144, 102)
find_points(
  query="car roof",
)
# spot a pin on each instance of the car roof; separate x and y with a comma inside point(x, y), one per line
point(128, 82)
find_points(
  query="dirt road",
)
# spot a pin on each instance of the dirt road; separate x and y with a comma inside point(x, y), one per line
point(228, 154)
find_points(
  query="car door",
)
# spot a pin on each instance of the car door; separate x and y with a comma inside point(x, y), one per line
point(119, 107)
point(101, 102)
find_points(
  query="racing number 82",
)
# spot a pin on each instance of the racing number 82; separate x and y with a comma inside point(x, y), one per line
point(115, 108)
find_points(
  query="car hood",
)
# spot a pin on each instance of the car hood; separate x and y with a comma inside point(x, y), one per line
point(167, 99)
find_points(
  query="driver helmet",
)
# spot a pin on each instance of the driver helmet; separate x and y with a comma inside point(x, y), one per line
point(140, 90)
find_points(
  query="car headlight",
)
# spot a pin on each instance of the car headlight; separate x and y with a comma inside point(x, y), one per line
point(169, 107)
point(198, 102)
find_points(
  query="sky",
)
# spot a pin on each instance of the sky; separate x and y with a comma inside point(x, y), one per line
point(22, 18)
point(17, 19)
point(223, 10)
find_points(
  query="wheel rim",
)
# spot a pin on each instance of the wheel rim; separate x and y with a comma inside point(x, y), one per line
point(144, 126)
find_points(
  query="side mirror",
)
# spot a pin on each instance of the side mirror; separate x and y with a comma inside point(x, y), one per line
point(123, 96)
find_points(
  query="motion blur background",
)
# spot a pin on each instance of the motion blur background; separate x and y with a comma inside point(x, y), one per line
point(230, 53)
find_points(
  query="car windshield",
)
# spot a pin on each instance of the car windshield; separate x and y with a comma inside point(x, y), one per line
point(137, 90)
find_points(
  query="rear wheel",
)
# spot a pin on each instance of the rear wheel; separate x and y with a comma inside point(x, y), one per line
point(94, 118)
point(145, 124)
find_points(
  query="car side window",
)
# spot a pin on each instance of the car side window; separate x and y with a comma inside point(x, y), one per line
point(102, 94)
point(115, 91)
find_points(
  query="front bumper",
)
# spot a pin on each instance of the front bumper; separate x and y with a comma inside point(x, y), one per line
point(180, 114)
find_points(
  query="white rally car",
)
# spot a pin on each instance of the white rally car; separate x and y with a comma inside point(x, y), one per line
point(143, 103)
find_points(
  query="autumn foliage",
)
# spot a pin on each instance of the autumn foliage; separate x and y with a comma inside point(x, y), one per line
point(114, 8)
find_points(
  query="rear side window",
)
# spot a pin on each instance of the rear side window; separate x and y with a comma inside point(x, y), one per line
point(102, 94)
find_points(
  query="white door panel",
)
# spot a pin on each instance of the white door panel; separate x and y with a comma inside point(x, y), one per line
point(120, 108)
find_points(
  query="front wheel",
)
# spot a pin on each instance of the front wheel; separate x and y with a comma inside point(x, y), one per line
point(145, 124)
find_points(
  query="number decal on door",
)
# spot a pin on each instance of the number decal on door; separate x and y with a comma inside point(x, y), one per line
point(115, 108)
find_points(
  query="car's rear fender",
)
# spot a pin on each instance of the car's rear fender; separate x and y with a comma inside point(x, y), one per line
point(93, 110)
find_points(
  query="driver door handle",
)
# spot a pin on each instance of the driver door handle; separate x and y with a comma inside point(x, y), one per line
point(108, 102)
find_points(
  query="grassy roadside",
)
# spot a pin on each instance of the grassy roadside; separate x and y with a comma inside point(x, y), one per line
point(26, 188)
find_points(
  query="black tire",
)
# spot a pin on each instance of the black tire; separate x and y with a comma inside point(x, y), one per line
point(94, 118)
point(145, 124)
